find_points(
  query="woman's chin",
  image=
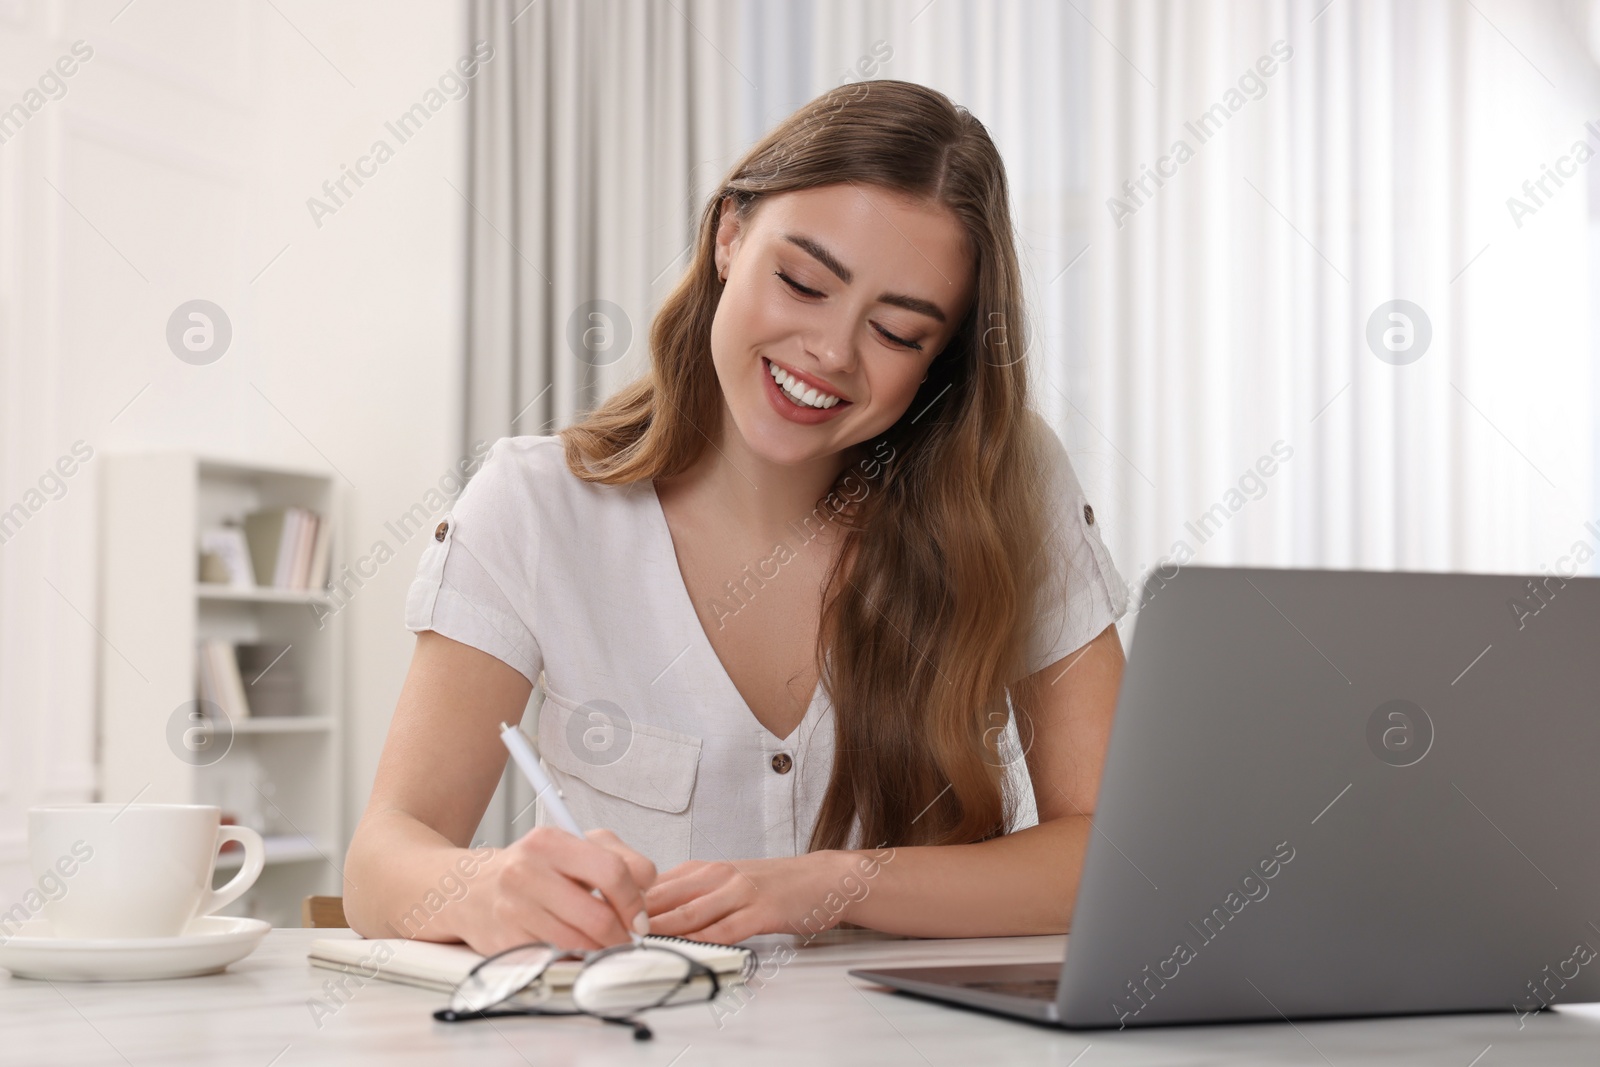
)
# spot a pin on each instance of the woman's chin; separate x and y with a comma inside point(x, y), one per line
point(782, 443)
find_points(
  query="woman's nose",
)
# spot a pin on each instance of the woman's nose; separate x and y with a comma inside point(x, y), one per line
point(833, 347)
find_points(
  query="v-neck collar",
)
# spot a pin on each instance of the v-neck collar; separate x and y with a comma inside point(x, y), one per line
point(802, 729)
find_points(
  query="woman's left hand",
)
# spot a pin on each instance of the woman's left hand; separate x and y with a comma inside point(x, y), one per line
point(728, 902)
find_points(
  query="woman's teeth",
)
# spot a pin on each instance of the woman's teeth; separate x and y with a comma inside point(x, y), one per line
point(799, 392)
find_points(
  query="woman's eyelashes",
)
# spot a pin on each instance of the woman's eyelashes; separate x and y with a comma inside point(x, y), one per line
point(796, 286)
point(803, 291)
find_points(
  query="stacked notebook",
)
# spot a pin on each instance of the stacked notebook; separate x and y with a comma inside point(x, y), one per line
point(441, 967)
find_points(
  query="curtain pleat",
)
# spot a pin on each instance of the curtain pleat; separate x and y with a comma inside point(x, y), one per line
point(597, 135)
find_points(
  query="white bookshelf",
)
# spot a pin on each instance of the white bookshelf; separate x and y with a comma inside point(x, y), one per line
point(282, 775)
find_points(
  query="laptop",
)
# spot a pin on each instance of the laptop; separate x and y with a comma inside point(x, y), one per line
point(1333, 794)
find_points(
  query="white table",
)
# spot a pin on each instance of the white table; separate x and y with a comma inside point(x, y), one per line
point(257, 1014)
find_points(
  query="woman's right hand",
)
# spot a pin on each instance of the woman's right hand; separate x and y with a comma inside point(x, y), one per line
point(440, 765)
point(538, 889)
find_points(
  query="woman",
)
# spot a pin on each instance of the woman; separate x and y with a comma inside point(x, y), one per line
point(779, 588)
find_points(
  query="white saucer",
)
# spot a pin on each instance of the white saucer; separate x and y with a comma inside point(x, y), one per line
point(206, 946)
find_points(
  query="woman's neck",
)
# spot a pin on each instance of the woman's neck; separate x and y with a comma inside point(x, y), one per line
point(757, 496)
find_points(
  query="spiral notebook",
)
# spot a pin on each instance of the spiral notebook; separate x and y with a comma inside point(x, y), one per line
point(441, 967)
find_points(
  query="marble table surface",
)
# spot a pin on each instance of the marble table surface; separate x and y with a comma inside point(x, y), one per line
point(271, 1009)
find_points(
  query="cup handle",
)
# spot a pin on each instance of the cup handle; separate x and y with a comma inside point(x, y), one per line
point(255, 855)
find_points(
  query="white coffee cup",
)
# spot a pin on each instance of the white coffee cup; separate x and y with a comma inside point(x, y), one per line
point(134, 870)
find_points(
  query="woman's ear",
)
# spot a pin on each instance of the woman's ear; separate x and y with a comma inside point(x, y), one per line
point(727, 238)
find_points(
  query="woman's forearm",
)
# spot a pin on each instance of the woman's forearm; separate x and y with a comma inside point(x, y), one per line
point(404, 879)
point(1022, 883)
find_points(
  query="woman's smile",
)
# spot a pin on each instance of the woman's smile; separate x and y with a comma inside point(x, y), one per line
point(802, 400)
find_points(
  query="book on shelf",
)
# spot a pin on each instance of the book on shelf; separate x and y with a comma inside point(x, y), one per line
point(320, 555)
point(271, 678)
point(288, 547)
point(219, 681)
point(305, 538)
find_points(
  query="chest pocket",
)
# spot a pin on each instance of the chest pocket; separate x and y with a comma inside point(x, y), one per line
point(615, 773)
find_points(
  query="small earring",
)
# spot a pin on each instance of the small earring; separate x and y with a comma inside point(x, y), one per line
point(722, 277)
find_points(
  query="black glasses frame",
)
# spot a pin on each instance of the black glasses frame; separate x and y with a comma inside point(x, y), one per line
point(641, 1032)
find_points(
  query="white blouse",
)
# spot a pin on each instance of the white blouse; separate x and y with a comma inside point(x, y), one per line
point(642, 729)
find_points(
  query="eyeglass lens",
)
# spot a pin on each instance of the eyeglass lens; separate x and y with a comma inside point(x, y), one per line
point(501, 977)
point(628, 981)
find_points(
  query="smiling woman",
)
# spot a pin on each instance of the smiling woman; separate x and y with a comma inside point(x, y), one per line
point(829, 321)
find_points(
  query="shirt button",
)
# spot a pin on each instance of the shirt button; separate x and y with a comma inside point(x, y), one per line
point(1088, 514)
point(781, 763)
point(439, 531)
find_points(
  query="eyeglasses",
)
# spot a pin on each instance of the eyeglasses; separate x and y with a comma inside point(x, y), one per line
point(612, 984)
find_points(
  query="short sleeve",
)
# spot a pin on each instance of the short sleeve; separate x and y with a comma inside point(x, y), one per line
point(475, 582)
point(1086, 593)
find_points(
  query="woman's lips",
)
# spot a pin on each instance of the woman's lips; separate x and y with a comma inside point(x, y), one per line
point(789, 409)
point(806, 379)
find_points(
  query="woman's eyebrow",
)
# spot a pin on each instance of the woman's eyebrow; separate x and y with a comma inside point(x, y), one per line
point(831, 261)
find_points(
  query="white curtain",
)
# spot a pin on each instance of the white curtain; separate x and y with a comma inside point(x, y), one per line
point(593, 146)
point(1232, 310)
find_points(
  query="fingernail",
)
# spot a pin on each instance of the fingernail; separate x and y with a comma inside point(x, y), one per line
point(641, 924)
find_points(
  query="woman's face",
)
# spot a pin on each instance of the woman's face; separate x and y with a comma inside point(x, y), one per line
point(852, 290)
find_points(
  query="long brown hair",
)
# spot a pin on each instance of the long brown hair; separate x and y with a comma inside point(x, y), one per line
point(929, 604)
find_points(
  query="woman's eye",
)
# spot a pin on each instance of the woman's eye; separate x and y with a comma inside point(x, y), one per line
point(803, 291)
point(913, 345)
point(791, 283)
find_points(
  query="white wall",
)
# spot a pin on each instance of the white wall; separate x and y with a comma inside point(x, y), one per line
point(177, 165)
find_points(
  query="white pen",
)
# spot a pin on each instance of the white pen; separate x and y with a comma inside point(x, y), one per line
point(543, 788)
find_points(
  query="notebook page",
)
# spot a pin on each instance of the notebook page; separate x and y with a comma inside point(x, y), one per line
point(399, 957)
point(723, 959)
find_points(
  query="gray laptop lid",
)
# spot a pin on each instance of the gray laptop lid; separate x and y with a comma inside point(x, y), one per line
point(1344, 793)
